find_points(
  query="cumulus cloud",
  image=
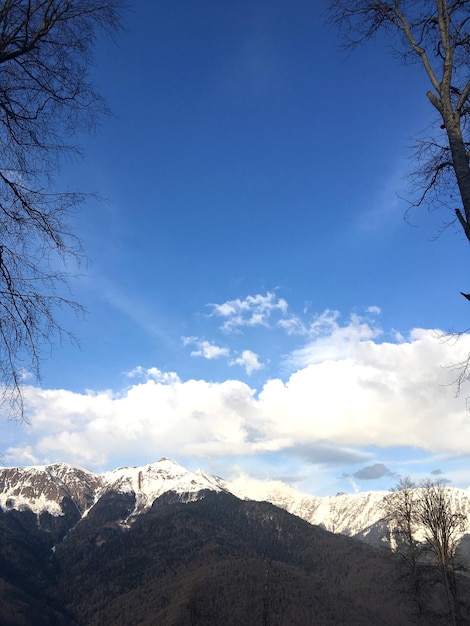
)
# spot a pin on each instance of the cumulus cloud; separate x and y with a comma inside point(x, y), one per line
point(348, 393)
point(248, 360)
point(205, 348)
point(147, 420)
point(330, 340)
point(252, 311)
point(17, 455)
point(153, 373)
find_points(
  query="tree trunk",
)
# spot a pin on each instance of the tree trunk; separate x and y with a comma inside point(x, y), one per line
point(450, 596)
point(460, 158)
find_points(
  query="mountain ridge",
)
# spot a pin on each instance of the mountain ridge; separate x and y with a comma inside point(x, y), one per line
point(43, 488)
point(160, 544)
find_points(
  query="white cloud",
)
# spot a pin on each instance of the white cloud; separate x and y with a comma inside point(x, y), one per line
point(136, 372)
point(205, 348)
point(252, 311)
point(17, 455)
point(149, 419)
point(162, 377)
point(248, 360)
point(331, 341)
point(347, 391)
point(152, 373)
point(293, 325)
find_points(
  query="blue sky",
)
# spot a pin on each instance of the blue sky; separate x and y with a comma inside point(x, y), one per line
point(257, 303)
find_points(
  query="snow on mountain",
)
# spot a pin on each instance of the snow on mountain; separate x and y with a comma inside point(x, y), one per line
point(356, 515)
point(48, 487)
point(347, 514)
point(152, 480)
point(42, 487)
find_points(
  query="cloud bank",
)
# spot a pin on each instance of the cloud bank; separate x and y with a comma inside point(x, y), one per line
point(345, 392)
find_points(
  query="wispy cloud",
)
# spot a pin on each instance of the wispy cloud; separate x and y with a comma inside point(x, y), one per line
point(293, 325)
point(385, 198)
point(325, 453)
point(247, 359)
point(133, 307)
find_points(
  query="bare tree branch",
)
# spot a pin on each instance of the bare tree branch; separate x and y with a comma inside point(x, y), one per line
point(45, 97)
point(436, 35)
point(426, 512)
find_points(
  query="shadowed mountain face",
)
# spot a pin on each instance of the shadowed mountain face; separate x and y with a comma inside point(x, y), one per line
point(163, 546)
point(212, 561)
point(216, 560)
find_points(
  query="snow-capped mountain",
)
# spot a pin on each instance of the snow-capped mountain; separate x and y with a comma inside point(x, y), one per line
point(347, 514)
point(359, 515)
point(151, 481)
point(160, 544)
point(58, 488)
point(43, 488)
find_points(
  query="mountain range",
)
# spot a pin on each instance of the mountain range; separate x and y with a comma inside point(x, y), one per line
point(164, 545)
point(43, 489)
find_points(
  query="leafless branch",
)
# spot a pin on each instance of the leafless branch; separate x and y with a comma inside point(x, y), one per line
point(45, 97)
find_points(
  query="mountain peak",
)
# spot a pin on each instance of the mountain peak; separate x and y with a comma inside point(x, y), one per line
point(43, 487)
point(151, 481)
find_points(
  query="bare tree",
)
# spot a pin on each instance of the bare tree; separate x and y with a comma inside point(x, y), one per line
point(425, 515)
point(435, 34)
point(45, 96)
point(400, 506)
point(442, 523)
point(400, 509)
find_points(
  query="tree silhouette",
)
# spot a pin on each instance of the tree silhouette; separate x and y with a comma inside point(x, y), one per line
point(45, 96)
point(436, 35)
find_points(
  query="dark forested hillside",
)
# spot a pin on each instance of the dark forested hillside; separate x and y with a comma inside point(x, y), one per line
point(217, 560)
